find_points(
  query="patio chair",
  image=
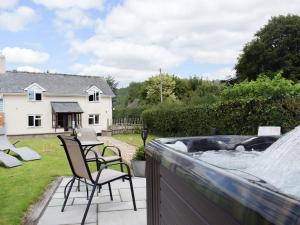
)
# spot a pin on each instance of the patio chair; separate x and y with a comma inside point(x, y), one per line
point(24, 153)
point(80, 170)
point(89, 135)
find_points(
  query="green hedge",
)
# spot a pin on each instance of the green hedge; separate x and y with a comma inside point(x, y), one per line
point(231, 117)
point(128, 112)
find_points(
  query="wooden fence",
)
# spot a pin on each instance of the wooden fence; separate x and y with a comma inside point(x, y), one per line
point(126, 125)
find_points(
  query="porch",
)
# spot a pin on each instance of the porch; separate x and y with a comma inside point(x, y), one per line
point(66, 115)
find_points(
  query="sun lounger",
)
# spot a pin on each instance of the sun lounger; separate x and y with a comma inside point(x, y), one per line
point(8, 160)
point(24, 153)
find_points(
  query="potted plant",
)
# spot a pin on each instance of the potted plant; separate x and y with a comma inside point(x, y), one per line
point(138, 162)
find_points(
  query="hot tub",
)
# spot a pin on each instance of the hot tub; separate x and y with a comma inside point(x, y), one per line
point(183, 190)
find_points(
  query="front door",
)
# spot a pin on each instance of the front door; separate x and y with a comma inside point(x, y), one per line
point(62, 121)
point(65, 122)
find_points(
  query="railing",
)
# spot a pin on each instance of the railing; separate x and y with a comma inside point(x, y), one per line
point(126, 125)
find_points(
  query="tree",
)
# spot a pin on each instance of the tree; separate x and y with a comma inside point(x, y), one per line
point(113, 84)
point(262, 88)
point(275, 47)
point(151, 92)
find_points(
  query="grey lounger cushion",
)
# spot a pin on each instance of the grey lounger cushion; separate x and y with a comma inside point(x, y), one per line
point(8, 160)
point(25, 153)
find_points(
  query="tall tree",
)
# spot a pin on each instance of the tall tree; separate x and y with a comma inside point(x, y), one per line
point(113, 84)
point(152, 89)
point(275, 47)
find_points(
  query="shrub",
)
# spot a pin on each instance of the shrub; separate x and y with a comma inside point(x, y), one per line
point(139, 154)
point(262, 88)
point(128, 112)
point(229, 117)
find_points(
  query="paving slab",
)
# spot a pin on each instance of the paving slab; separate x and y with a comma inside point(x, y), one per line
point(125, 217)
point(139, 193)
point(72, 215)
point(97, 200)
point(60, 202)
point(136, 182)
point(82, 193)
point(103, 211)
point(117, 206)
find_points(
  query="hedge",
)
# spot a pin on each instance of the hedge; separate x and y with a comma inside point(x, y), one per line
point(231, 117)
point(128, 112)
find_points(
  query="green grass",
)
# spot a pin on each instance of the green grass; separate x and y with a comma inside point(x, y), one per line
point(133, 139)
point(22, 186)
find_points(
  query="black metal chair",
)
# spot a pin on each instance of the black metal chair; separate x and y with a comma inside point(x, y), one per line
point(81, 170)
point(92, 152)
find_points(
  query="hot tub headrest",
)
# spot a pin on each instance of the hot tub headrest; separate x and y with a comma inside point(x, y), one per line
point(206, 144)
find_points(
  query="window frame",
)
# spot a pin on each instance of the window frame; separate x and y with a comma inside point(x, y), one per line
point(36, 118)
point(96, 96)
point(35, 92)
point(93, 117)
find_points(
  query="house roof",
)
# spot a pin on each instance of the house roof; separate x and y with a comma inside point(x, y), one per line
point(54, 84)
point(66, 107)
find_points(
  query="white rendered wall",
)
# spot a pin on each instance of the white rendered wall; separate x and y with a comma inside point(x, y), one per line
point(17, 108)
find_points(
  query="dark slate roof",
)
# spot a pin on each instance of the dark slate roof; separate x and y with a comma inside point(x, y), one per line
point(56, 84)
point(66, 107)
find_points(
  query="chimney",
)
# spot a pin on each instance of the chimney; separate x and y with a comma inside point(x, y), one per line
point(2, 64)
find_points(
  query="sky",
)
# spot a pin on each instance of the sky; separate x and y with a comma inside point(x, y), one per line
point(131, 39)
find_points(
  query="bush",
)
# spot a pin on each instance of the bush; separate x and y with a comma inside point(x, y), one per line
point(128, 112)
point(139, 154)
point(263, 88)
point(229, 117)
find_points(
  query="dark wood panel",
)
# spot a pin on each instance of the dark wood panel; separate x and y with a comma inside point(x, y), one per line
point(176, 210)
point(153, 187)
point(192, 198)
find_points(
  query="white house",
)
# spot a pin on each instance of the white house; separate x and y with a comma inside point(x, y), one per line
point(45, 103)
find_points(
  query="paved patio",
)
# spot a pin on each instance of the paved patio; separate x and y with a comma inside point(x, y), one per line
point(103, 211)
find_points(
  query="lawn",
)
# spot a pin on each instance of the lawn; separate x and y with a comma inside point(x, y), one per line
point(21, 186)
point(133, 139)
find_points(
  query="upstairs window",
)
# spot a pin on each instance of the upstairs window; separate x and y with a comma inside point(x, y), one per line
point(34, 95)
point(94, 96)
point(34, 121)
point(94, 119)
point(35, 92)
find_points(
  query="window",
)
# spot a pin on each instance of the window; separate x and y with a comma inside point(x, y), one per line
point(94, 119)
point(34, 121)
point(1, 105)
point(94, 96)
point(34, 95)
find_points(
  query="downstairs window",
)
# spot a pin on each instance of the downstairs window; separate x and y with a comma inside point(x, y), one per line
point(34, 121)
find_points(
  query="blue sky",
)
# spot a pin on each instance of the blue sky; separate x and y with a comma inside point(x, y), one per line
point(132, 39)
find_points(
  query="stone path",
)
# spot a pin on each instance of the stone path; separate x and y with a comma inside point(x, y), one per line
point(126, 149)
point(103, 211)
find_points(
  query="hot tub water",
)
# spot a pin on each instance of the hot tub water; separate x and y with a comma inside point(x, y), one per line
point(278, 165)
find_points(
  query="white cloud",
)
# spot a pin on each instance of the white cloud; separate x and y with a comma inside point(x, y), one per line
point(29, 69)
point(220, 74)
point(142, 36)
point(66, 4)
point(123, 76)
point(6, 4)
point(24, 56)
point(16, 20)
point(74, 17)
